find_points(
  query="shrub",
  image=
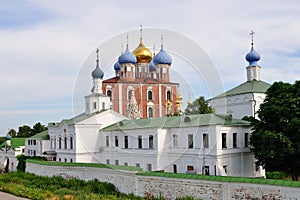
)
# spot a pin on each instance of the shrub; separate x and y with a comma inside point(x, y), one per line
point(276, 175)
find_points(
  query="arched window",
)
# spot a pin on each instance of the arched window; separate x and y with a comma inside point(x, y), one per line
point(71, 142)
point(59, 143)
point(108, 93)
point(65, 142)
point(150, 95)
point(150, 112)
point(169, 95)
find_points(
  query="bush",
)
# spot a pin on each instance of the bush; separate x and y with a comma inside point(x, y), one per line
point(276, 175)
point(21, 167)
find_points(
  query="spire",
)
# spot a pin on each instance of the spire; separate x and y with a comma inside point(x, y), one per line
point(127, 40)
point(141, 32)
point(253, 69)
point(153, 49)
point(162, 41)
point(252, 34)
point(97, 60)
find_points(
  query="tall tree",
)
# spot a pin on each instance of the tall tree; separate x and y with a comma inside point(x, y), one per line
point(38, 127)
point(12, 132)
point(24, 131)
point(199, 106)
point(276, 136)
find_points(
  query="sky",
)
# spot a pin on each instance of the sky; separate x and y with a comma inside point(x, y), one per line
point(47, 48)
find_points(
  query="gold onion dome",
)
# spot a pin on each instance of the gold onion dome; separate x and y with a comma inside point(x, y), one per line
point(142, 54)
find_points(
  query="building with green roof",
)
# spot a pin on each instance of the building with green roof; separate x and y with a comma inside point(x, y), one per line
point(244, 99)
point(206, 144)
point(38, 144)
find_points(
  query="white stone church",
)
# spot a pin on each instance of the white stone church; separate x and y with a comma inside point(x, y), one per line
point(212, 144)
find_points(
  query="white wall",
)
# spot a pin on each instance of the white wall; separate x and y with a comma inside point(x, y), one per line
point(171, 188)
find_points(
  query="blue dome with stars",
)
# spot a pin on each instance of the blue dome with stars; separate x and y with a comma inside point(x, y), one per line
point(162, 57)
point(127, 57)
point(97, 73)
point(152, 66)
point(117, 66)
point(252, 57)
point(8, 137)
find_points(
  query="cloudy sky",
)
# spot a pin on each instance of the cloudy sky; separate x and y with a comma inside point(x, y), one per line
point(45, 44)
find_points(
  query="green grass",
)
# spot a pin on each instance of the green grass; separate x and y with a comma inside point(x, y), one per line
point(119, 167)
point(223, 178)
point(38, 187)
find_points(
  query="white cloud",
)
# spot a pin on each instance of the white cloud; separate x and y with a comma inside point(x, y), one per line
point(41, 57)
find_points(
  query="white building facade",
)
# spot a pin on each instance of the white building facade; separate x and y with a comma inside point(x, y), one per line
point(204, 144)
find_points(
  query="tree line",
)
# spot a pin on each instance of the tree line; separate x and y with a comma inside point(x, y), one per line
point(27, 131)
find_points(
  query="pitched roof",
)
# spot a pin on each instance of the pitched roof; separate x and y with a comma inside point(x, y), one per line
point(246, 87)
point(176, 122)
point(76, 119)
point(42, 135)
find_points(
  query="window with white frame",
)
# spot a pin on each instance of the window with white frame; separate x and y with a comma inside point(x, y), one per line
point(107, 141)
point(150, 95)
point(190, 141)
point(205, 140)
point(175, 140)
point(150, 112)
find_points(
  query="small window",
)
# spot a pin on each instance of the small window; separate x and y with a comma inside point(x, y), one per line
point(246, 139)
point(150, 112)
point(137, 164)
point(71, 142)
point(107, 141)
point(149, 167)
point(206, 170)
point(65, 160)
point(175, 140)
point(126, 142)
point(190, 168)
point(205, 141)
point(150, 95)
point(234, 140)
point(108, 93)
point(59, 159)
point(168, 95)
point(140, 142)
point(65, 142)
point(103, 105)
point(71, 160)
point(34, 142)
point(59, 143)
point(95, 105)
point(225, 168)
point(175, 168)
point(107, 161)
point(129, 95)
point(224, 143)
point(116, 162)
point(190, 141)
point(150, 141)
point(125, 164)
point(116, 141)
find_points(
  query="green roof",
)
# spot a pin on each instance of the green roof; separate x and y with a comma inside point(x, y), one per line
point(247, 87)
point(176, 122)
point(15, 142)
point(42, 135)
point(76, 119)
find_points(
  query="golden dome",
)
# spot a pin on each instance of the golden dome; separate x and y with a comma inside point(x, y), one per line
point(142, 54)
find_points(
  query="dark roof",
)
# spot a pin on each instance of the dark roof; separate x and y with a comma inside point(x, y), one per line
point(117, 79)
point(176, 122)
point(246, 87)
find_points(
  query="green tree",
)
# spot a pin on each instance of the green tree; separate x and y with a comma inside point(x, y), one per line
point(199, 106)
point(38, 127)
point(276, 137)
point(12, 132)
point(24, 131)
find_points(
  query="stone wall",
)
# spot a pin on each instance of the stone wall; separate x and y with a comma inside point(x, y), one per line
point(170, 188)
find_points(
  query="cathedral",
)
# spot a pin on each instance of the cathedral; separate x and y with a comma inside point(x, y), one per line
point(141, 87)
